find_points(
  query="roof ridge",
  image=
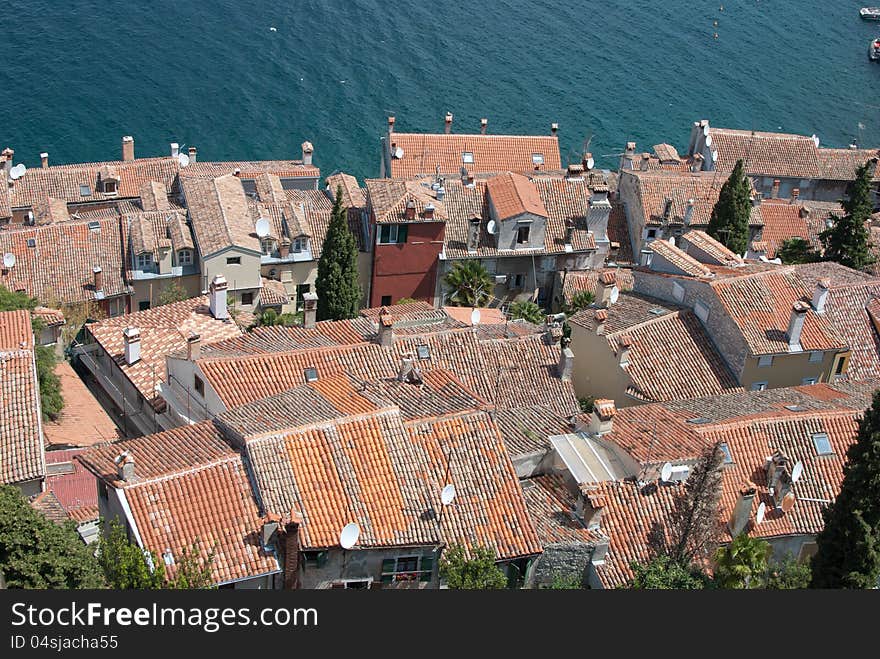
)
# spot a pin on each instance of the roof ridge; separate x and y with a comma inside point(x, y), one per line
point(650, 321)
point(230, 457)
point(389, 410)
point(776, 416)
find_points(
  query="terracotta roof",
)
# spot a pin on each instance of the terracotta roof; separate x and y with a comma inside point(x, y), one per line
point(47, 504)
point(551, 507)
point(397, 312)
point(250, 169)
point(150, 230)
point(48, 210)
point(849, 308)
point(50, 317)
point(273, 294)
point(667, 153)
point(586, 280)
point(528, 429)
point(82, 421)
point(767, 154)
point(154, 197)
point(21, 437)
point(318, 210)
point(513, 195)
point(15, 330)
point(436, 393)
point(841, 164)
point(220, 214)
point(618, 232)
point(488, 315)
point(711, 248)
point(60, 264)
point(388, 200)
point(74, 486)
point(353, 196)
point(422, 153)
point(163, 330)
point(784, 220)
point(680, 259)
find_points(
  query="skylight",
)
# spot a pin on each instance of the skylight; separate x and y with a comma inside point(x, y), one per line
point(538, 158)
point(31, 242)
point(424, 352)
point(657, 311)
point(822, 443)
point(700, 419)
point(85, 191)
point(467, 158)
point(311, 374)
point(728, 459)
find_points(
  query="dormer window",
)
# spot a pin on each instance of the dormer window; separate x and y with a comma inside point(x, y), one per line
point(537, 159)
point(110, 187)
point(268, 246)
point(467, 158)
point(522, 235)
point(85, 190)
point(185, 257)
point(300, 245)
point(145, 261)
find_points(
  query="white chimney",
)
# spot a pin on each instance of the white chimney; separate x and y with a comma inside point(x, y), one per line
point(566, 364)
point(390, 125)
point(125, 466)
point(589, 505)
point(307, 151)
point(604, 287)
point(820, 295)
point(554, 128)
point(131, 339)
point(624, 344)
point(175, 149)
point(408, 371)
point(448, 122)
point(742, 511)
point(193, 154)
point(601, 319)
point(484, 123)
point(44, 160)
point(217, 293)
point(310, 309)
point(128, 148)
point(796, 324)
point(602, 416)
point(645, 257)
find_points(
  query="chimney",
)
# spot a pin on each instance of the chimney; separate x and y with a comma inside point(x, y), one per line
point(310, 309)
point(820, 295)
point(742, 511)
point(236, 172)
point(284, 248)
point(795, 193)
point(628, 156)
point(193, 153)
point(604, 286)
point(291, 551)
point(602, 416)
point(448, 123)
point(217, 295)
point(589, 505)
point(128, 148)
point(99, 278)
point(474, 233)
point(575, 171)
point(307, 150)
point(390, 125)
point(175, 149)
point(646, 162)
point(566, 364)
point(585, 161)
point(645, 258)
point(774, 192)
point(796, 324)
point(804, 212)
point(624, 345)
point(44, 160)
point(484, 123)
point(429, 211)
point(554, 128)
point(470, 180)
point(689, 212)
point(441, 193)
point(410, 212)
point(778, 477)
point(131, 340)
point(193, 347)
point(601, 318)
point(408, 372)
point(125, 467)
point(7, 164)
point(386, 328)
point(697, 162)
point(270, 528)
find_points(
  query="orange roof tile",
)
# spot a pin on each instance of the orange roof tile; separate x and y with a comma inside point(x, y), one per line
point(83, 421)
point(767, 154)
point(21, 437)
point(513, 195)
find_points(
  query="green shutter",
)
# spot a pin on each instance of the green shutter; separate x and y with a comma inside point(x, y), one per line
point(321, 558)
point(427, 568)
point(389, 566)
point(402, 230)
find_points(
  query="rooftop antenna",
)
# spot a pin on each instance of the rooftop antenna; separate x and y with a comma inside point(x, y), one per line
point(8, 260)
point(262, 227)
point(666, 472)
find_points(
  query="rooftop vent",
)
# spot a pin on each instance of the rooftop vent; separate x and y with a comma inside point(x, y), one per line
point(657, 311)
point(796, 408)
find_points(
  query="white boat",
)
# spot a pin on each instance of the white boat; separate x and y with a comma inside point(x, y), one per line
point(870, 13)
point(874, 50)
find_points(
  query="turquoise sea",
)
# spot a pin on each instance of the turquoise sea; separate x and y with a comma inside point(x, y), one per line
point(75, 76)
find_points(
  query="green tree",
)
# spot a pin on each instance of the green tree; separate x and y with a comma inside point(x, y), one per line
point(742, 563)
point(847, 241)
point(586, 404)
point(268, 318)
point(406, 300)
point(13, 301)
point(193, 572)
point(38, 553)
point(475, 572)
point(527, 310)
point(797, 250)
point(471, 284)
point(664, 573)
point(174, 292)
point(339, 293)
point(126, 566)
point(848, 547)
point(729, 223)
point(566, 582)
point(580, 301)
point(787, 574)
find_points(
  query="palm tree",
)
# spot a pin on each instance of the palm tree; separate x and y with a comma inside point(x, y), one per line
point(742, 563)
point(580, 301)
point(471, 284)
point(527, 310)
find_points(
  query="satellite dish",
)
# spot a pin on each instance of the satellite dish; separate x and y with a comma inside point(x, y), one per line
point(183, 159)
point(398, 152)
point(447, 494)
point(762, 510)
point(349, 536)
point(797, 471)
point(815, 140)
point(8, 260)
point(706, 130)
point(18, 171)
point(475, 319)
point(262, 227)
point(590, 163)
point(714, 156)
point(666, 472)
point(787, 502)
point(490, 227)
point(671, 240)
point(708, 140)
point(615, 293)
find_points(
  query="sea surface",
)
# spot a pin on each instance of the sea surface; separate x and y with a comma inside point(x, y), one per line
point(75, 76)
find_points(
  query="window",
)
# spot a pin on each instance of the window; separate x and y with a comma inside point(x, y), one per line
point(393, 234)
point(808, 381)
point(758, 386)
point(702, 311)
point(386, 300)
point(85, 191)
point(268, 246)
point(185, 257)
point(199, 385)
point(407, 568)
point(522, 235)
point(677, 291)
point(143, 305)
point(840, 365)
point(538, 158)
point(233, 260)
point(816, 356)
point(247, 299)
point(311, 374)
point(315, 558)
point(301, 290)
point(109, 187)
point(651, 234)
point(725, 449)
point(423, 351)
point(145, 261)
point(822, 444)
point(467, 158)
point(519, 281)
point(31, 242)
point(353, 584)
point(300, 245)
point(765, 360)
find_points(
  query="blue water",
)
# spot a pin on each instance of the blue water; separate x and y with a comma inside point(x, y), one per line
point(76, 76)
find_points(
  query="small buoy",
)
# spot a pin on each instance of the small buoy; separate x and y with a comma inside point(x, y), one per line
point(714, 23)
point(273, 29)
point(716, 35)
point(722, 7)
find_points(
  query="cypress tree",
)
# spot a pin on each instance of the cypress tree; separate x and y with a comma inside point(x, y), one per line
point(729, 223)
point(847, 240)
point(337, 286)
point(848, 548)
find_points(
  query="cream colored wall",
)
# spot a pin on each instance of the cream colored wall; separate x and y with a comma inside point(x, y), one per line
point(243, 278)
point(596, 370)
point(151, 289)
point(787, 370)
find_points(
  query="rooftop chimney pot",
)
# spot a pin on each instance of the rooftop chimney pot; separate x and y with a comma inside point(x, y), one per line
point(307, 151)
point(448, 122)
point(217, 297)
point(44, 160)
point(796, 324)
point(820, 295)
point(127, 148)
point(193, 153)
point(131, 340)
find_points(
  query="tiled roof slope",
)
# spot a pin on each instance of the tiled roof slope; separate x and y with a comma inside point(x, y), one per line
point(163, 330)
point(423, 153)
point(388, 199)
point(250, 169)
point(527, 429)
point(21, 439)
point(681, 260)
point(618, 232)
point(711, 247)
point(841, 164)
point(220, 214)
point(60, 265)
point(551, 507)
point(82, 421)
point(73, 485)
point(353, 196)
point(767, 154)
point(586, 280)
point(513, 195)
point(784, 220)
point(15, 330)
point(150, 230)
